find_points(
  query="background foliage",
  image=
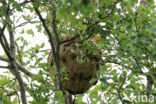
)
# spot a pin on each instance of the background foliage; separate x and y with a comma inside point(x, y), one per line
point(127, 43)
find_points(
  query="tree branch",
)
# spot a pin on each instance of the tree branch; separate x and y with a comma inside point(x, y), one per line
point(24, 70)
point(24, 23)
point(11, 55)
point(119, 90)
point(96, 22)
point(73, 38)
point(14, 67)
point(48, 32)
point(4, 59)
point(12, 93)
point(55, 31)
point(20, 67)
point(21, 4)
point(6, 49)
point(2, 30)
point(55, 53)
point(4, 67)
point(54, 27)
point(66, 94)
point(5, 41)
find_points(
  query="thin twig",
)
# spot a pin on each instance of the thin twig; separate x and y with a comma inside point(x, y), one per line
point(20, 67)
point(4, 67)
point(119, 90)
point(73, 38)
point(20, 53)
point(4, 59)
point(21, 4)
point(96, 22)
point(11, 94)
point(25, 23)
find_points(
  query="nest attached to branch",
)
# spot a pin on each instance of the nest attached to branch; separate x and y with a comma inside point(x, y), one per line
point(78, 75)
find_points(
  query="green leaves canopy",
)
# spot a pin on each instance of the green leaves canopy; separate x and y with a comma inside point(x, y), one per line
point(128, 46)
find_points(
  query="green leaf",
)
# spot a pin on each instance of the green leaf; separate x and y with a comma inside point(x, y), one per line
point(115, 18)
point(93, 80)
point(150, 1)
point(93, 93)
point(6, 21)
point(3, 10)
point(17, 6)
point(42, 45)
point(40, 78)
point(80, 58)
point(39, 28)
point(36, 4)
point(15, 101)
point(59, 96)
point(30, 32)
point(38, 61)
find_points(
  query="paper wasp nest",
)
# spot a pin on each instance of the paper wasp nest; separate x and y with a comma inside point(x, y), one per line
point(79, 74)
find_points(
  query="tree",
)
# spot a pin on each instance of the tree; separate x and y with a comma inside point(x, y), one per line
point(126, 31)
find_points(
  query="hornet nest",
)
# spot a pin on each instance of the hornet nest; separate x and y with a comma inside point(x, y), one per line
point(79, 74)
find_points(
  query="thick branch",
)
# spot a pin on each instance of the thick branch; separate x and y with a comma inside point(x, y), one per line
point(5, 41)
point(14, 69)
point(2, 30)
point(54, 51)
point(149, 85)
point(55, 54)
point(4, 46)
point(47, 31)
point(13, 65)
point(67, 95)
point(55, 31)
point(54, 27)
point(24, 70)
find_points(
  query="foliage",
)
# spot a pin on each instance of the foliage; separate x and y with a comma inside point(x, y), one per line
point(123, 30)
